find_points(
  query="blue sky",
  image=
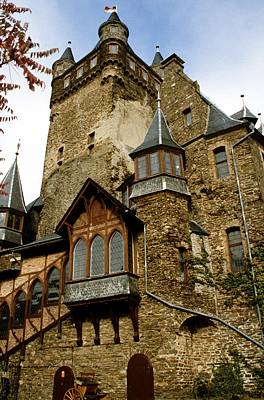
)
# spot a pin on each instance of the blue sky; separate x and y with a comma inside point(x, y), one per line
point(221, 42)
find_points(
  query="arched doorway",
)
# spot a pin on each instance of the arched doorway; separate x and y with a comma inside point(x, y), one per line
point(140, 380)
point(63, 380)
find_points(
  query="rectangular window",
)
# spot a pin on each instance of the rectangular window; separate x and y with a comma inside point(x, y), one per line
point(79, 72)
point(113, 49)
point(60, 155)
point(132, 64)
point(167, 161)
point(235, 249)
point(154, 163)
point(142, 167)
point(66, 82)
point(221, 162)
point(177, 164)
point(113, 29)
point(93, 62)
point(188, 116)
point(182, 264)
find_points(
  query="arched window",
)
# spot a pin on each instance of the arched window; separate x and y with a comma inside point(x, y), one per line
point(19, 310)
point(235, 249)
point(4, 321)
point(63, 380)
point(221, 162)
point(140, 380)
point(36, 298)
point(116, 252)
point(79, 260)
point(53, 292)
point(97, 256)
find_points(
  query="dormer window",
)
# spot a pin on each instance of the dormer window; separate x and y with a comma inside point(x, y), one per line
point(79, 72)
point(66, 82)
point(93, 62)
point(113, 49)
point(187, 113)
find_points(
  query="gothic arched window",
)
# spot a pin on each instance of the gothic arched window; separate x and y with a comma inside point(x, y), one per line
point(97, 256)
point(79, 260)
point(4, 321)
point(53, 292)
point(116, 252)
point(36, 299)
point(19, 310)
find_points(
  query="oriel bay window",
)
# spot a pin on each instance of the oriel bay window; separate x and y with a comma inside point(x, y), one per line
point(97, 266)
point(159, 162)
point(79, 259)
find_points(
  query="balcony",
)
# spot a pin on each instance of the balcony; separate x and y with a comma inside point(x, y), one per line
point(102, 289)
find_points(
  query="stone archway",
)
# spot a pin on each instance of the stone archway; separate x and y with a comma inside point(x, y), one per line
point(63, 380)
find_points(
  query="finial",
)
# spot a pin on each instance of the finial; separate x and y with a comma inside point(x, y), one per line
point(158, 100)
point(18, 147)
point(244, 107)
point(69, 43)
point(157, 47)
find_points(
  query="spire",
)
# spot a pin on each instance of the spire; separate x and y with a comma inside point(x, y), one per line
point(158, 134)
point(157, 58)
point(245, 113)
point(67, 55)
point(11, 195)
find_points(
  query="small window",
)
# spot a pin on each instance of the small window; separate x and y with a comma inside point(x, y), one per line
point(93, 62)
point(19, 310)
point(36, 299)
point(60, 153)
point(113, 49)
point(144, 75)
point(66, 82)
point(79, 72)
point(97, 256)
point(188, 116)
point(182, 264)
point(116, 253)
point(79, 260)
point(14, 221)
point(132, 64)
point(221, 162)
point(142, 167)
point(154, 163)
point(90, 141)
point(167, 160)
point(177, 164)
point(4, 321)
point(113, 29)
point(53, 293)
point(235, 249)
point(2, 218)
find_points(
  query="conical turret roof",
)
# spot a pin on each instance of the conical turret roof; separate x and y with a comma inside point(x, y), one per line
point(158, 134)
point(157, 58)
point(67, 55)
point(113, 19)
point(11, 195)
point(246, 114)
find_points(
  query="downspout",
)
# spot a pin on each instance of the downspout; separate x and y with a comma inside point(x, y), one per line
point(188, 310)
point(246, 229)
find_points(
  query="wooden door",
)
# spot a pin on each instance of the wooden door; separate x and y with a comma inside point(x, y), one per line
point(140, 380)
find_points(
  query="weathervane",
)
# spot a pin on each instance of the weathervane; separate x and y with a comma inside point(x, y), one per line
point(18, 147)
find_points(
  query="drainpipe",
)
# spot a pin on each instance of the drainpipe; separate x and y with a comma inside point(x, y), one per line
point(188, 310)
point(246, 229)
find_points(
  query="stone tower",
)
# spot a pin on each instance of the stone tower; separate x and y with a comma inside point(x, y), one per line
point(94, 105)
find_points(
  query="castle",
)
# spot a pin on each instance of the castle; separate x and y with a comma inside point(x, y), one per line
point(150, 195)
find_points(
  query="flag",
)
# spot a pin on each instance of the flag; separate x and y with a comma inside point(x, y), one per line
point(110, 9)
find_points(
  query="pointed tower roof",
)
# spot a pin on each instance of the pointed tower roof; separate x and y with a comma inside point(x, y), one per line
point(11, 195)
point(246, 114)
point(67, 55)
point(157, 58)
point(158, 134)
point(219, 121)
point(113, 19)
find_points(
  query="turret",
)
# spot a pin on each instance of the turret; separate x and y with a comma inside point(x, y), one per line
point(64, 63)
point(113, 28)
point(245, 114)
point(12, 208)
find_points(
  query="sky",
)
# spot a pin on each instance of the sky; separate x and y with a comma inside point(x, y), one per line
point(221, 42)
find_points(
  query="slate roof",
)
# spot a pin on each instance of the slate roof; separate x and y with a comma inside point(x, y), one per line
point(35, 204)
point(158, 134)
point(114, 18)
point(219, 121)
point(157, 58)
point(12, 188)
point(46, 241)
point(245, 113)
point(67, 55)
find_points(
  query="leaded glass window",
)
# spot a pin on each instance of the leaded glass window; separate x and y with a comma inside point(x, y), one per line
point(167, 161)
point(19, 310)
point(53, 294)
point(235, 249)
point(79, 260)
point(154, 163)
point(142, 167)
point(36, 297)
point(116, 252)
point(221, 162)
point(4, 321)
point(130, 252)
point(177, 164)
point(97, 257)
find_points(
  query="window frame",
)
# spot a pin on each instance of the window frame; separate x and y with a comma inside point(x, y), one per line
point(235, 244)
point(6, 325)
point(21, 320)
point(113, 48)
point(188, 117)
point(222, 163)
point(115, 232)
point(48, 301)
point(33, 285)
